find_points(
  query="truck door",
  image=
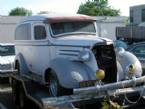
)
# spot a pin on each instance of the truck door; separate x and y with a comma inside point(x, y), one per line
point(40, 48)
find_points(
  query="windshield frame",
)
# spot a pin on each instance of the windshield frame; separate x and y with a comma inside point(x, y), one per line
point(72, 33)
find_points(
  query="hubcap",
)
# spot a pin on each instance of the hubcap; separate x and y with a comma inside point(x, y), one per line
point(53, 87)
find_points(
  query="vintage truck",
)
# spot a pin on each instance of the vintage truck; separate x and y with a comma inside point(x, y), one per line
point(63, 54)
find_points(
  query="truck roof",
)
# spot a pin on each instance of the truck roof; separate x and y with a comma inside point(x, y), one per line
point(55, 17)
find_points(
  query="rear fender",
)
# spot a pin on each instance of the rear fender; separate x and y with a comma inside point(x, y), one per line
point(22, 63)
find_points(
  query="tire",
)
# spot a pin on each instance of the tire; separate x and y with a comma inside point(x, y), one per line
point(55, 89)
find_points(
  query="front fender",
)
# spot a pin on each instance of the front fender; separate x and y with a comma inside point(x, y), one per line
point(71, 73)
point(125, 59)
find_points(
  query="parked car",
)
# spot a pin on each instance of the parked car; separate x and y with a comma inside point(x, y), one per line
point(63, 52)
point(120, 43)
point(7, 57)
point(138, 49)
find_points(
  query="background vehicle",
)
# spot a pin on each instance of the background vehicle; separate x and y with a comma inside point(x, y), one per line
point(131, 33)
point(120, 43)
point(7, 57)
point(138, 49)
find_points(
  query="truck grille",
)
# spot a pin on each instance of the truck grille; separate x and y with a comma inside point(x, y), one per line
point(5, 66)
point(106, 60)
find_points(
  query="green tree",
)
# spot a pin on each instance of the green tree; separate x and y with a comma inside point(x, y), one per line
point(20, 11)
point(97, 8)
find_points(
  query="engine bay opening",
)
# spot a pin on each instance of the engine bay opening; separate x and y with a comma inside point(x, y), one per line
point(106, 60)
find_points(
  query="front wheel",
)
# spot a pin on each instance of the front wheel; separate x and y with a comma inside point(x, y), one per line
point(56, 89)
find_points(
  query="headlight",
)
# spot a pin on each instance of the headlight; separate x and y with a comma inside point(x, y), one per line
point(131, 69)
point(100, 74)
point(84, 55)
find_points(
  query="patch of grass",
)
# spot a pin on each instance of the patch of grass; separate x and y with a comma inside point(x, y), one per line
point(108, 104)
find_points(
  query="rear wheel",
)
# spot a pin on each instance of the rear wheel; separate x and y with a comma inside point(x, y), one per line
point(55, 88)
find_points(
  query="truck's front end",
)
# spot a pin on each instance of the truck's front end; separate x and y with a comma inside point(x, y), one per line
point(106, 60)
point(75, 39)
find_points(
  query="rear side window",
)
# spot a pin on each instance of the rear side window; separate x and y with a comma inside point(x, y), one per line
point(23, 32)
point(39, 32)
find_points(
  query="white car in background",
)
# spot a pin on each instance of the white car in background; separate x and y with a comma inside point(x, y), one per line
point(7, 56)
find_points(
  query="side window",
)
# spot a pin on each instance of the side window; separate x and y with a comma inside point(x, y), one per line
point(23, 32)
point(139, 51)
point(39, 32)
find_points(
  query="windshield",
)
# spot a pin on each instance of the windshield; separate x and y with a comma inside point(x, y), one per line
point(7, 50)
point(72, 27)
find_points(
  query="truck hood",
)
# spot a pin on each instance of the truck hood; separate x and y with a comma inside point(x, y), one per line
point(80, 40)
point(7, 59)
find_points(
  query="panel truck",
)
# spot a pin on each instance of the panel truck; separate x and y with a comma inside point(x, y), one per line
point(61, 62)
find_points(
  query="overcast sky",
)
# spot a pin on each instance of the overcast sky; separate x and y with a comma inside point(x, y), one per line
point(65, 6)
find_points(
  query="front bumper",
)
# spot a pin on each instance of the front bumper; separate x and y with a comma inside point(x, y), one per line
point(96, 92)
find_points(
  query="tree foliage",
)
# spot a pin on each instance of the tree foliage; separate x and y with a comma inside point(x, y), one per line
point(20, 11)
point(97, 8)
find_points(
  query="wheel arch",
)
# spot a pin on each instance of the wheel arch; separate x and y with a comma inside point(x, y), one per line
point(47, 74)
point(19, 60)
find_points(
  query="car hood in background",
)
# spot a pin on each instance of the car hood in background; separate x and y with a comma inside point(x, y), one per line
point(7, 59)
